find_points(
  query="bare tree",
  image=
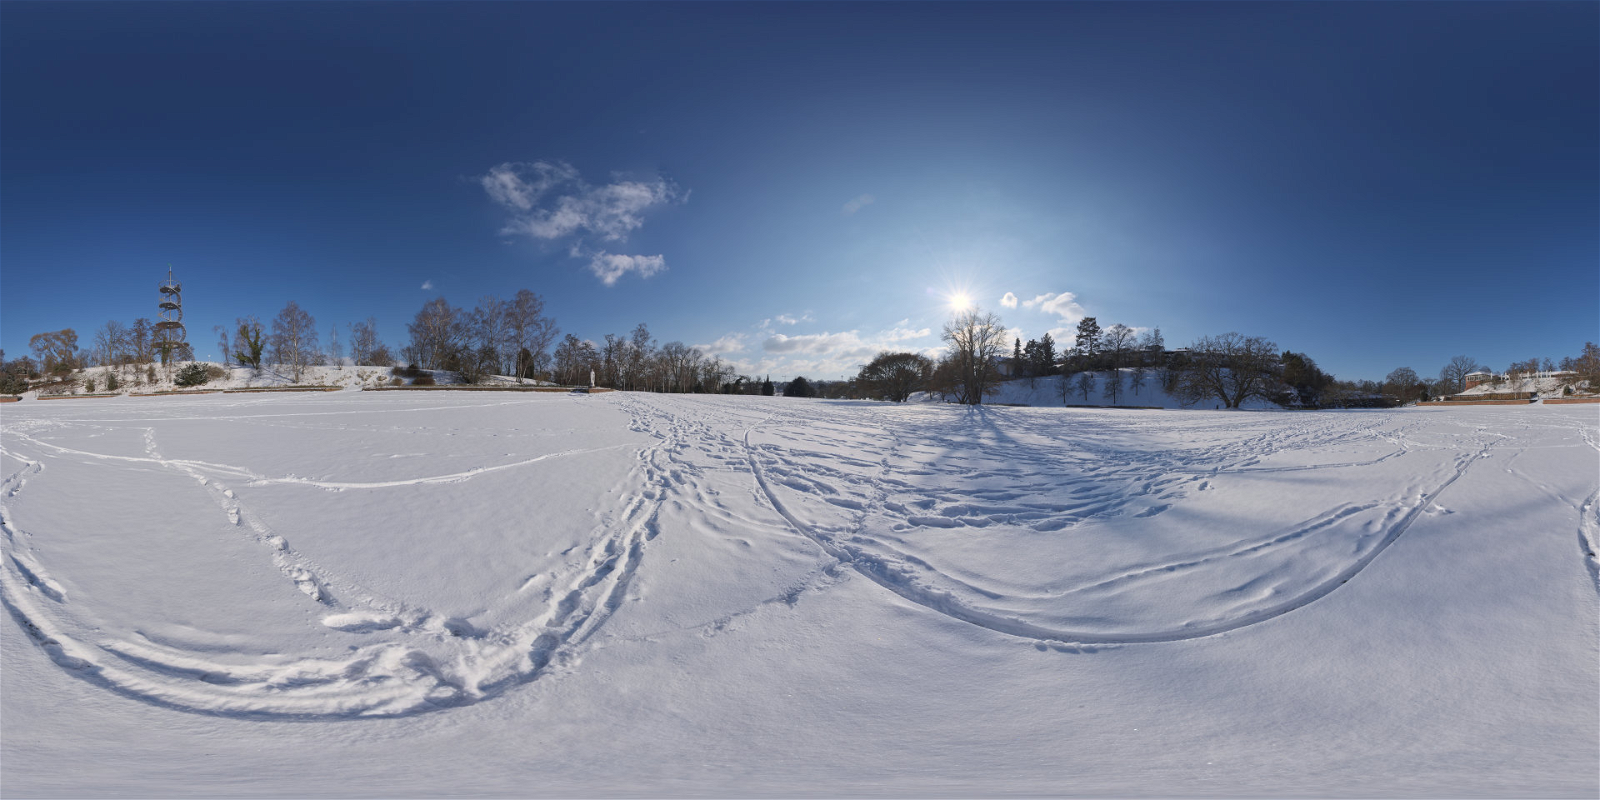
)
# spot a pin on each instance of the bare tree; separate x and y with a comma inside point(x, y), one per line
point(57, 351)
point(640, 347)
point(141, 341)
point(364, 342)
point(110, 343)
point(1085, 384)
point(294, 340)
point(1136, 378)
point(1403, 384)
point(976, 340)
point(436, 335)
point(1118, 341)
point(223, 350)
point(1455, 373)
point(529, 333)
point(895, 376)
point(1113, 387)
point(1232, 368)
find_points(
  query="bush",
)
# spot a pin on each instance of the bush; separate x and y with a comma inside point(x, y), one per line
point(89, 384)
point(214, 372)
point(192, 375)
point(424, 380)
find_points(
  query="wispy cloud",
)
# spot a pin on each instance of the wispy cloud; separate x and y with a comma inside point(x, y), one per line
point(609, 267)
point(427, 286)
point(549, 200)
point(732, 343)
point(1009, 300)
point(609, 212)
point(858, 203)
point(1064, 305)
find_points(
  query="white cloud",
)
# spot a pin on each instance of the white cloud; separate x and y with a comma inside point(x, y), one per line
point(427, 285)
point(1063, 305)
point(521, 185)
point(1009, 300)
point(901, 333)
point(732, 343)
point(858, 203)
point(609, 267)
point(550, 200)
point(831, 343)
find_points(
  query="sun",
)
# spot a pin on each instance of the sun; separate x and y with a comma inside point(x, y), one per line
point(960, 301)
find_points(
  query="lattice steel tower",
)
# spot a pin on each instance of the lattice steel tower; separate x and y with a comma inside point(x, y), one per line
point(169, 331)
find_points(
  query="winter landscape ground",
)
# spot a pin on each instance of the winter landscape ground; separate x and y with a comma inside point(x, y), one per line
point(413, 593)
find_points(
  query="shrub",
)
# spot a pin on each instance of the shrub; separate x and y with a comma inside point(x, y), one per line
point(89, 384)
point(214, 372)
point(192, 375)
point(425, 380)
point(111, 381)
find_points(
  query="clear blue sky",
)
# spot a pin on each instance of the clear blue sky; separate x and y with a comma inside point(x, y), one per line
point(795, 186)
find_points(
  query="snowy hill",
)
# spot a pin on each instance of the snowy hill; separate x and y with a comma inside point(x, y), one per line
point(1046, 392)
point(139, 380)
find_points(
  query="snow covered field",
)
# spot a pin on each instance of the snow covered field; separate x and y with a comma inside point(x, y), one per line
point(393, 594)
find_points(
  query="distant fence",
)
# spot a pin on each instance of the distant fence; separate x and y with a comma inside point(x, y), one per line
point(1561, 401)
point(470, 388)
point(1475, 398)
point(283, 389)
point(1451, 403)
point(75, 396)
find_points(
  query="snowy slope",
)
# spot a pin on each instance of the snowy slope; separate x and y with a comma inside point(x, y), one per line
point(401, 594)
point(136, 381)
point(1046, 393)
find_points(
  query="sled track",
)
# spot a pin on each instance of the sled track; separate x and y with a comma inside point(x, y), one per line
point(438, 663)
point(905, 583)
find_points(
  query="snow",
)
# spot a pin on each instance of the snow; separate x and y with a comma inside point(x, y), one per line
point(410, 593)
point(1046, 392)
point(133, 380)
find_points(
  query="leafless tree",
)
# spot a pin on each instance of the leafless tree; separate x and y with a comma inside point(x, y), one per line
point(1232, 368)
point(436, 335)
point(1454, 374)
point(1136, 378)
point(294, 340)
point(895, 376)
point(364, 343)
point(1118, 341)
point(529, 333)
point(57, 351)
point(976, 340)
point(641, 345)
point(1085, 384)
point(141, 341)
point(111, 343)
point(1403, 384)
point(222, 343)
point(1113, 387)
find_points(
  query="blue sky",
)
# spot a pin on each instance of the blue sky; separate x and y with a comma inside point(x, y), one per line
point(796, 186)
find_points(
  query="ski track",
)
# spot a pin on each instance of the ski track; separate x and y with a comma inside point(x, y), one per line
point(439, 662)
point(873, 466)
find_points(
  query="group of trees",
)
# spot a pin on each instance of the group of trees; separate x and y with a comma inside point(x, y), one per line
point(517, 337)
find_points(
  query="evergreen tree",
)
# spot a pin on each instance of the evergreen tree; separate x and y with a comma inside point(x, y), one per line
point(1089, 338)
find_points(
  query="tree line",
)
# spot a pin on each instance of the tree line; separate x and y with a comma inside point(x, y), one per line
point(516, 337)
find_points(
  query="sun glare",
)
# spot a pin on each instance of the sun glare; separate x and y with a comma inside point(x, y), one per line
point(960, 302)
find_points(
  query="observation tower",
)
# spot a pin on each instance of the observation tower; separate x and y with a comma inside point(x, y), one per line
point(170, 333)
